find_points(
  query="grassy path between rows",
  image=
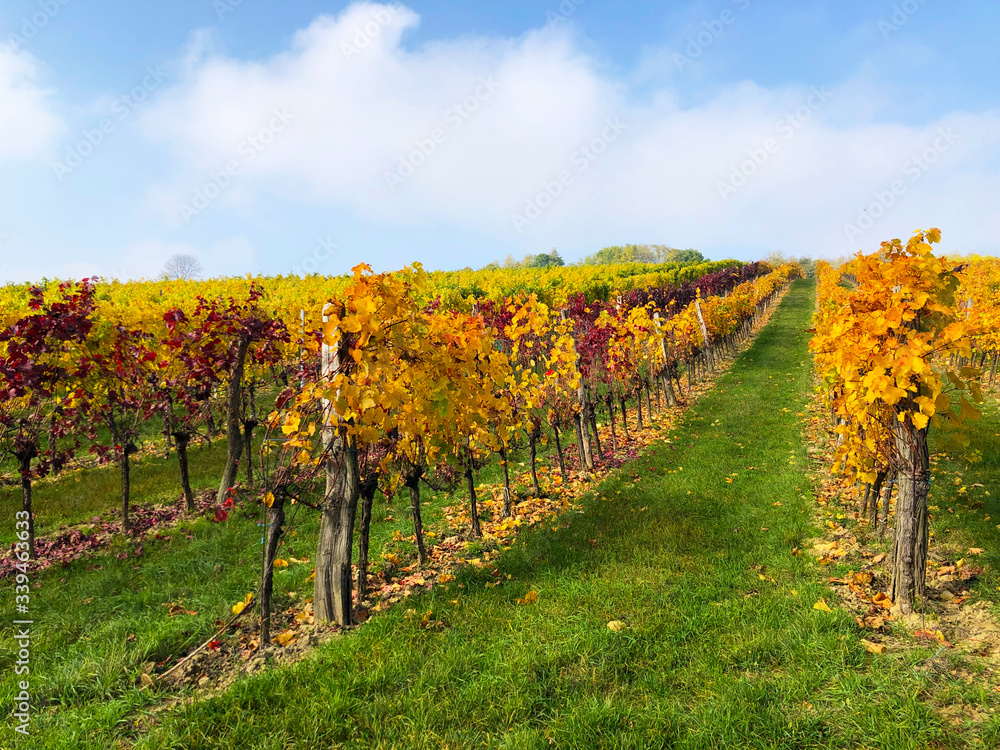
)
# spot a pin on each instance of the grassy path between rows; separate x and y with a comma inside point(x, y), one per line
point(721, 646)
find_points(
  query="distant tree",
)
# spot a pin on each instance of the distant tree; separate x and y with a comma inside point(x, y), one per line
point(667, 254)
point(621, 254)
point(550, 259)
point(182, 266)
point(684, 256)
point(778, 258)
point(808, 265)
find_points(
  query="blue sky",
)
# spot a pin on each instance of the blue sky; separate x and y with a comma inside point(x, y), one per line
point(267, 137)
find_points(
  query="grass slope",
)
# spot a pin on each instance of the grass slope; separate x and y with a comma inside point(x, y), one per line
point(714, 653)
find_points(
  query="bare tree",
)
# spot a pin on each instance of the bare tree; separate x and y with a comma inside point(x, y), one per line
point(182, 266)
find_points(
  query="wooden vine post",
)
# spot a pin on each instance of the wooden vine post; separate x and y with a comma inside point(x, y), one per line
point(665, 377)
point(333, 590)
point(704, 335)
point(302, 364)
point(582, 435)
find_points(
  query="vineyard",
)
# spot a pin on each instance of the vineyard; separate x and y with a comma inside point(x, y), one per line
point(588, 506)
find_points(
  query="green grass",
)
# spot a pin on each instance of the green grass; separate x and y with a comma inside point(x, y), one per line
point(975, 511)
point(98, 621)
point(78, 495)
point(711, 656)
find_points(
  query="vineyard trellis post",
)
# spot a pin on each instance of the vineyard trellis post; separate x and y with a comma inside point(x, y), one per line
point(704, 335)
point(668, 386)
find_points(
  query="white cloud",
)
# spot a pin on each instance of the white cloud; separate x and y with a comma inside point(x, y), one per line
point(499, 120)
point(27, 124)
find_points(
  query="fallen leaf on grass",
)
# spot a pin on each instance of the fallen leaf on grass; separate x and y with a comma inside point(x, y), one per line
point(878, 558)
point(822, 606)
point(279, 563)
point(881, 600)
point(427, 622)
point(616, 625)
point(873, 648)
point(240, 606)
point(146, 680)
point(975, 551)
point(871, 621)
point(857, 579)
point(932, 635)
point(284, 638)
point(530, 598)
point(177, 609)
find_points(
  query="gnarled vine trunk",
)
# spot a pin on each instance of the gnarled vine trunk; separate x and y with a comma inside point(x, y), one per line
point(559, 452)
point(909, 546)
point(367, 490)
point(609, 403)
point(333, 590)
point(182, 439)
point(621, 402)
point(470, 482)
point(276, 522)
point(24, 464)
point(508, 499)
point(126, 467)
point(532, 457)
point(412, 482)
point(234, 432)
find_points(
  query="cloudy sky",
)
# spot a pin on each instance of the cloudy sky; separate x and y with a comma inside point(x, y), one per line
point(273, 137)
